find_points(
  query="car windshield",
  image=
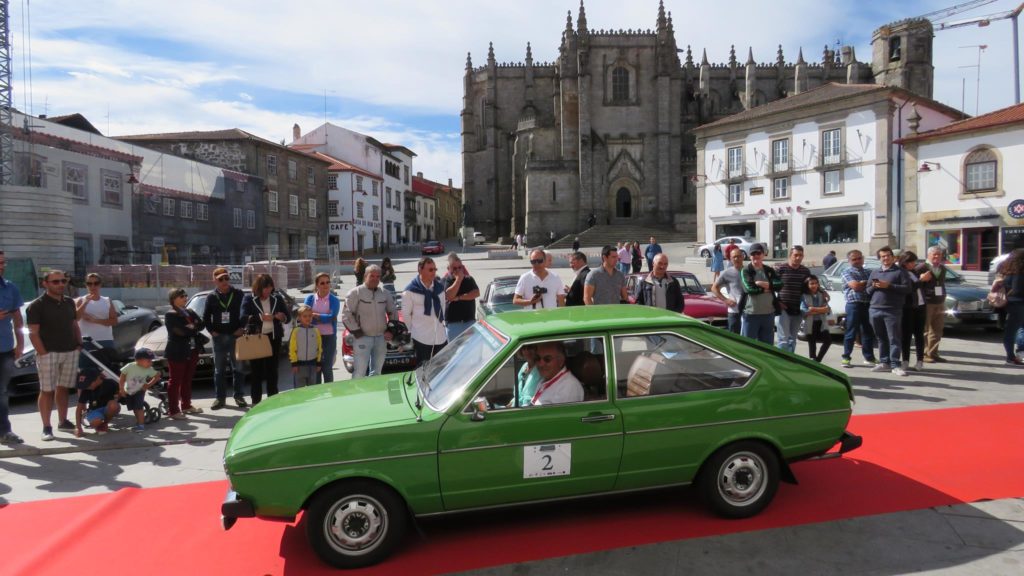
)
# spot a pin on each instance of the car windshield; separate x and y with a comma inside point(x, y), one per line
point(443, 379)
point(503, 293)
point(691, 285)
point(197, 304)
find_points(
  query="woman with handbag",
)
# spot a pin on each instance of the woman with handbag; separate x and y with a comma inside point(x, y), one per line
point(1012, 272)
point(264, 314)
point(184, 342)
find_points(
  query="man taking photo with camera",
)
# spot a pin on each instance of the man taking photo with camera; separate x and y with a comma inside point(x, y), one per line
point(539, 288)
point(605, 285)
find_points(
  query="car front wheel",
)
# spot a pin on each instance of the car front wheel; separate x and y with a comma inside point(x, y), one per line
point(355, 524)
point(705, 254)
point(741, 479)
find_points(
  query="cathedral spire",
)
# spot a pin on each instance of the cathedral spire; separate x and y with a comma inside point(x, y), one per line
point(689, 56)
point(704, 58)
point(568, 21)
point(800, 56)
point(780, 60)
point(662, 24)
point(529, 55)
point(469, 61)
point(671, 29)
point(490, 54)
point(732, 56)
point(581, 22)
point(750, 57)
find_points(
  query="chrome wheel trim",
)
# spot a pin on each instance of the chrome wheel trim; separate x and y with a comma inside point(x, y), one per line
point(742, 479)
point(355, 525)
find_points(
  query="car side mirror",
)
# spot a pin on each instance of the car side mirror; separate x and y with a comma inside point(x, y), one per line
point(479, 409)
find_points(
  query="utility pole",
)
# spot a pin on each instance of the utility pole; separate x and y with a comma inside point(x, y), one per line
point(977, 98)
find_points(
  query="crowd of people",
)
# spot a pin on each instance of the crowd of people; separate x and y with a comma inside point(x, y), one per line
point(900, 304)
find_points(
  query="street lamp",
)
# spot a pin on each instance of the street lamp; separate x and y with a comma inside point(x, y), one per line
point(927, 166)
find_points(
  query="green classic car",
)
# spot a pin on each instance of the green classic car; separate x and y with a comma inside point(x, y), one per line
point(629, 397)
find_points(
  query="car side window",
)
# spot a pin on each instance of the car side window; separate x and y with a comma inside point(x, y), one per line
point(520, 381)
point(666, 363)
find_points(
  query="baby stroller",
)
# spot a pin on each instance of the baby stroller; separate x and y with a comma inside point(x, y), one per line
point(107, 361)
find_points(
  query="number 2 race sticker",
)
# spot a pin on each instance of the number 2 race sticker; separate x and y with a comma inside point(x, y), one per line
point(547, 460)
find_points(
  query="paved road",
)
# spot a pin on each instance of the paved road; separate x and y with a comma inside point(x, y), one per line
point(985, 538)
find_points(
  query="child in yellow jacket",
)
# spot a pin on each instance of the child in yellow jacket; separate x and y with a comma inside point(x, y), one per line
point(305, 349)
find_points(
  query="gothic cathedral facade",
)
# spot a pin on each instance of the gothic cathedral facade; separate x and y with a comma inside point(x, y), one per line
point(604, 133)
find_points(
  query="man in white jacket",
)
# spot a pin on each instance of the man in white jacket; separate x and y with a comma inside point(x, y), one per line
point(423, 303)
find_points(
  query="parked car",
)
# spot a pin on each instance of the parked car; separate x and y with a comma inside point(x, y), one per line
point(401, 355)
point(497, 296)
point(157, 339)
point(966, 304)
point(743, 243)
point(667, 401)
point(432, 247)
point(132, 323)
point(478, 238)
point(700, 304)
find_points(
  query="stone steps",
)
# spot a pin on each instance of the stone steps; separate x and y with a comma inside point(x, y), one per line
point(612, 234)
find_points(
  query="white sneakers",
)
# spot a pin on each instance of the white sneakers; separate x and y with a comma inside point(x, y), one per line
point(899, 372)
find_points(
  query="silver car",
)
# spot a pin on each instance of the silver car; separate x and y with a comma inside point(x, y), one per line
point(744, 244)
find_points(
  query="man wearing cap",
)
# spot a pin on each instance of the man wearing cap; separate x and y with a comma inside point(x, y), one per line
point(758, 303)
point(97, 400)
point(57, 341)
point(222, 316)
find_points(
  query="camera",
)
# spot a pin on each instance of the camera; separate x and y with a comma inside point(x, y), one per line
point(539, 290)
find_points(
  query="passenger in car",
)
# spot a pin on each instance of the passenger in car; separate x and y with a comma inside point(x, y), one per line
point(528, 377)
point(558, 385)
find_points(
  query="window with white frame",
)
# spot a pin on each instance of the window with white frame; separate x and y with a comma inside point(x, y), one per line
point(293, 170)
point(841, 229)
point(312, 208)
point(780, 188)
point(76, 178)
point(376, 188)
point(832, 182)
point(332, 181)
point(271, 165)
point(387, 196)
point(112, 186)
point(398, 199)
point(405, 169)
point(202, 211)
point(272, 202)
point(735, 162)
point(376, 213)
point(238, 217)
point(311, 176)
point(359, 210)
point(735, 193)
point(980, 167)
point(185, 209)
point(332, 208)
point(168, 206)
point(831, 147)
point(293, 204)
point(780, 155)
point(250, 219)
point(359, 183)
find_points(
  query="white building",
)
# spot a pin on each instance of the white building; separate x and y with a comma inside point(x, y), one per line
point(353, 207)
point(390, 164)
point(963, 188)
point(817, 169)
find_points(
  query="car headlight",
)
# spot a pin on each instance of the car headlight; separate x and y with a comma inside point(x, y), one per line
point(27, 359)
point(952, 305)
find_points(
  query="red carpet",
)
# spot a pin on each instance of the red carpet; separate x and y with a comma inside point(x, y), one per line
point(909, 461)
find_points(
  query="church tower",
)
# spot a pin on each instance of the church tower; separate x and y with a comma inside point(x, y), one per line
point(901, 56)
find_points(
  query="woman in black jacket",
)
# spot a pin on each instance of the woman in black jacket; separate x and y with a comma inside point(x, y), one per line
point(184, 342)
point(265, 312)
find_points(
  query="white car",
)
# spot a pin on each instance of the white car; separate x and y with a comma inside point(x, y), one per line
point(744, 244)
point(478, 238)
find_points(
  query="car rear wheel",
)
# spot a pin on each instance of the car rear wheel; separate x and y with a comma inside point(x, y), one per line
point(705, 254)
point(153, 326)
point(741, 479)
point(355, 524)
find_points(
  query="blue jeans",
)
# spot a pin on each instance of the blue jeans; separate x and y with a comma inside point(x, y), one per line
point(888, 325)
point(330, 353)
point(788, 326)
point(734, 322)
point(6, 371)
point(223, 353)
point(759, 327)
point(455, 328)
point(369, 352)
point(1013, 328)
point(857, 317)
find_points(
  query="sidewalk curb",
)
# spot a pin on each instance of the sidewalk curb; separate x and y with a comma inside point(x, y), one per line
point(140, 443)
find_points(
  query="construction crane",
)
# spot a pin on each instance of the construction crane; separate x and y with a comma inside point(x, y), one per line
point(938, 15)
point(6, 118)
point(983, 21)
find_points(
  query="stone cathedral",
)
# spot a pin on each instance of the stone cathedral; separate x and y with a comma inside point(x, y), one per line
point(604, 133)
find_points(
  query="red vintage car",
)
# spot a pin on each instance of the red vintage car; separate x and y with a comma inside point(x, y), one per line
point(700, 304)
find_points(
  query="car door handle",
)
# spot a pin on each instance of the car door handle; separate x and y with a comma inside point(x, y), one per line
point(597, 418)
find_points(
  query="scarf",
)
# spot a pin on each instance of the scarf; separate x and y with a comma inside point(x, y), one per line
point(431, 300)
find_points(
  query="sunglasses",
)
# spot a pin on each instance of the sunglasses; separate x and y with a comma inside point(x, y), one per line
point(537, 261)
point(223, 278)
point(57, 281)
point(92, 283)
point(323, 283)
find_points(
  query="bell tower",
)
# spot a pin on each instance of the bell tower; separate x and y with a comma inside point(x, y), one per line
point(901, 56)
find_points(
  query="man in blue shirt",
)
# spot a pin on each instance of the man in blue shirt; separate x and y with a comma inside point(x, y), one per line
point(653, 249)
point(855, 283)
point(12, 342)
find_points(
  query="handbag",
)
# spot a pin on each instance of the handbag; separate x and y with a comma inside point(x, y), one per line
point(252, 347)
point(997, 295)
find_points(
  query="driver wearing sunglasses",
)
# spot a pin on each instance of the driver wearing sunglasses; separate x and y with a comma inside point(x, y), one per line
point(558, 385)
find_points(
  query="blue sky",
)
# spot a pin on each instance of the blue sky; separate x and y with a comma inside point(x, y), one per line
point(394, 70)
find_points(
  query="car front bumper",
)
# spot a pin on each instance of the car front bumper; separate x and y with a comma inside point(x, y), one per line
point(233, 508)
point(394, 362)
